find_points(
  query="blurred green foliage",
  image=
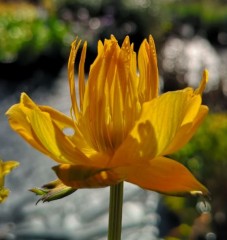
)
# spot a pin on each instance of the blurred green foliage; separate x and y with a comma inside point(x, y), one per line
point(207, 17)
point(208, 11)
point(205, 155)
point(49, 24)
point(137, 18)
point(27, 30)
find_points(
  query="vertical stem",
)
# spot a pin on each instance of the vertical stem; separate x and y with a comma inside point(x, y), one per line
point(115, 211)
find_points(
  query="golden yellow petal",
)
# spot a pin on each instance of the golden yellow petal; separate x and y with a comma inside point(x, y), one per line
point(44, 130)
point(71, 76)
point(96, 102)
point(7, 166)
point(137, 148)
point(110, 96)
point(58, 145)
point(165, 176)
point(148, 70)
point(203, 83)
point(59, 118)
point(20, 124)
point(186, 131)
point(166, 115)
point(86, 177)
point(157, 126)
point(66, 124)
point(81, 77)
point(4, 193)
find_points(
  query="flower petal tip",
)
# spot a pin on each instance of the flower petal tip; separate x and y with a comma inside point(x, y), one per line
point(205, 193)
point(203, 83)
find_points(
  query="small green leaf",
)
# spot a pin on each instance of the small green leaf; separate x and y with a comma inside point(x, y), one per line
point(52, 191)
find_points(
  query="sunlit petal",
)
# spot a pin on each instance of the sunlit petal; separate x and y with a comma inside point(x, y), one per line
point(43, 130)
point(203, 83)
point(147, 61)
point(71, 76)
point(19, 123)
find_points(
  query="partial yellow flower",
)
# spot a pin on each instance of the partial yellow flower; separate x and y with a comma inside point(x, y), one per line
point(122, 129)
point(5, 168)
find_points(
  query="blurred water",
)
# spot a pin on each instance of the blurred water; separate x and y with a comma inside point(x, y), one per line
point(182, 62)
point(187, 58)
point(83, 215)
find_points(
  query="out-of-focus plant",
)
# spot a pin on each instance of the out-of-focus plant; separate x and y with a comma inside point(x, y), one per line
point(207, 17)
point(206, 156)
point(99, 19)
point(5, 169)
point(25, 28)
point(204, 10)
point(48, 27)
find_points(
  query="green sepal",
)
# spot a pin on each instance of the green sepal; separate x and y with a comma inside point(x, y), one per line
point(52, 191)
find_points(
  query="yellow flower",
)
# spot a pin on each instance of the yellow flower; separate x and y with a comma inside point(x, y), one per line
point(5, 168)
point(122, 128)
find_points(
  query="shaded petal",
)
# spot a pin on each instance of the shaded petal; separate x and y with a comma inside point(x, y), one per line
point(166, 115)
point(85, 176)
point(157, 126)
point(165, 176)
point(136, 150)
point(191, 122)
point(186, 132)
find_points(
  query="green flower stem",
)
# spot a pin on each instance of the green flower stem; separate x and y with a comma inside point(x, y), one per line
point(115, 211)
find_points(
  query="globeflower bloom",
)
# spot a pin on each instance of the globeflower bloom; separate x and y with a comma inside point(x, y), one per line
point(5, 168)
point(122, 129)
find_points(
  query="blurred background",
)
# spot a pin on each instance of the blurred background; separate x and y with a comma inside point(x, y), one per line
point(35, 38)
